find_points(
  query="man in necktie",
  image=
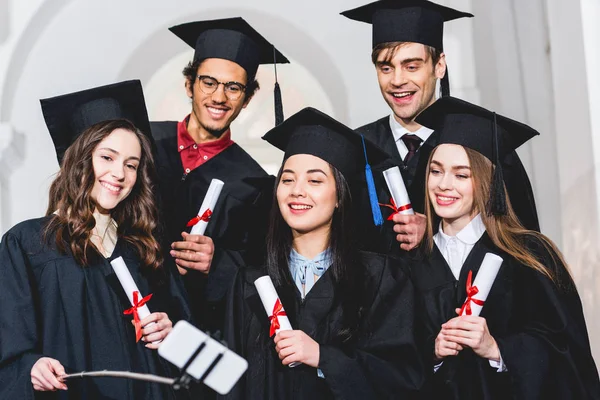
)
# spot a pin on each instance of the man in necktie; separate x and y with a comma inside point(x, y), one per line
point(409, 60)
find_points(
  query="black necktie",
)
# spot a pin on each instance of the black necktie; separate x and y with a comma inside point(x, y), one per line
point(412, 143)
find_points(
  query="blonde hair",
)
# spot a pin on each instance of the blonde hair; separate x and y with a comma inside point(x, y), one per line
point(506, 231)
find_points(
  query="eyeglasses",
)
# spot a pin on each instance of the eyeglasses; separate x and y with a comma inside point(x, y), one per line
point(233, 90)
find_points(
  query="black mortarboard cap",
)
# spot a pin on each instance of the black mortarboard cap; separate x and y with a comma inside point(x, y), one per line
point(310, 131)
point(235, 40)
point(69, 115)
point(494, 136)
point(416, 21)
point(313, 132)
point(231, 39)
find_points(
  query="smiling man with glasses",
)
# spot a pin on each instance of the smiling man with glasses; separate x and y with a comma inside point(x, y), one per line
point(220, 81)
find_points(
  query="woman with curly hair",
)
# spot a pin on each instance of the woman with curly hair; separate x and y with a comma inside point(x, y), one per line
point(530, 340)
point(62, 306)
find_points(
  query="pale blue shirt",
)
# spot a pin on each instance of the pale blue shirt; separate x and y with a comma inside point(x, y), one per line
point(304, 270)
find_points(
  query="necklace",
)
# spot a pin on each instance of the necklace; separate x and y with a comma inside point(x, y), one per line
point(98, 240)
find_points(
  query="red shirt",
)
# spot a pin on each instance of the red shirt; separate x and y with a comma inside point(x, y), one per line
point(193, 154)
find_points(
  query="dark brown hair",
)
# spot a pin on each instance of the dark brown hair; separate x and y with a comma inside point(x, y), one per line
point(505, 231)
point(191, 74)
point(392, 47)
point(70, 197)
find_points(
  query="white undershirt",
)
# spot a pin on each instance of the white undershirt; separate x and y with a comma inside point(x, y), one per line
point(455, 249)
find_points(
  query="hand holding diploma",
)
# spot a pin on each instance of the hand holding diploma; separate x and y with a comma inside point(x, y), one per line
point(469, 329)
point(156, 327)
point(410, 227)
point(138, 309)
point(297, 347)
point(275, 311)
point(196, 250)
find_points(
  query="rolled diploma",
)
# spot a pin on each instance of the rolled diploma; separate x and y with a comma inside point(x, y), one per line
point(395, 184)
point(268, 296)
point(209, 203)
point(129, 286)
point(484, 280)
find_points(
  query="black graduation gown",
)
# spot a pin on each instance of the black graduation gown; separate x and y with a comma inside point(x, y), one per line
point(383, 362)
point(383, 239)
point(539, 328)
point(50, 306)
point(237, 224)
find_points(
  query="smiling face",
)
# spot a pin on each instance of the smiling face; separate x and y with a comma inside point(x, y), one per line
point(407, 80)
point(306, 194)
point(115, 161)
point(213, 113)
point(450, 187)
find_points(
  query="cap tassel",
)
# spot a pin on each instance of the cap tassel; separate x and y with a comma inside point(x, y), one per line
point(375, 210)
point(497, 202)
point(277, 95)
point(445, 85)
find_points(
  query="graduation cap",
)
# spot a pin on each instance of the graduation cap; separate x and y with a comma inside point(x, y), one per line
point(417, 21)
point(310, 131)
point(69, 115)
point(493, 136)
point(235, 40)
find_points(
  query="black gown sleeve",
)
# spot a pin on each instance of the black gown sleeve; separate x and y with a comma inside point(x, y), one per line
point(386, 362)
point(548, 355)
point(19, 348)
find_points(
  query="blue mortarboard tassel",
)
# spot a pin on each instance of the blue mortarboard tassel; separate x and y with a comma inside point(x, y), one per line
point(277, 95)
point(375, 210)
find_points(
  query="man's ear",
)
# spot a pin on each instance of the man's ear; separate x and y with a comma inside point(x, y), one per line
point(189, 89)
point(440, 67)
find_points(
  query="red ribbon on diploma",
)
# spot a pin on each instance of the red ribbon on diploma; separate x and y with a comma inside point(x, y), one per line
point(278, 311)
point(134, 310)
point(204, 217)
point(396, 209)
point(471, 291)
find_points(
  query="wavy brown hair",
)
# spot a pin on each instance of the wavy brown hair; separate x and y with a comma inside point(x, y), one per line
point(505, 231)
point(71, 205)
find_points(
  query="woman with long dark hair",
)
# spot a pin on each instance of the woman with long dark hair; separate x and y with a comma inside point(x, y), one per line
point(61, 305)
point(530, 340)
point(352, 312)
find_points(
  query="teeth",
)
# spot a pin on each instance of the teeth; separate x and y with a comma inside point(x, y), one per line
point(400, 95)
point(111, 187)
point(300, 207)
point(446, 198)
point(216, 110)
